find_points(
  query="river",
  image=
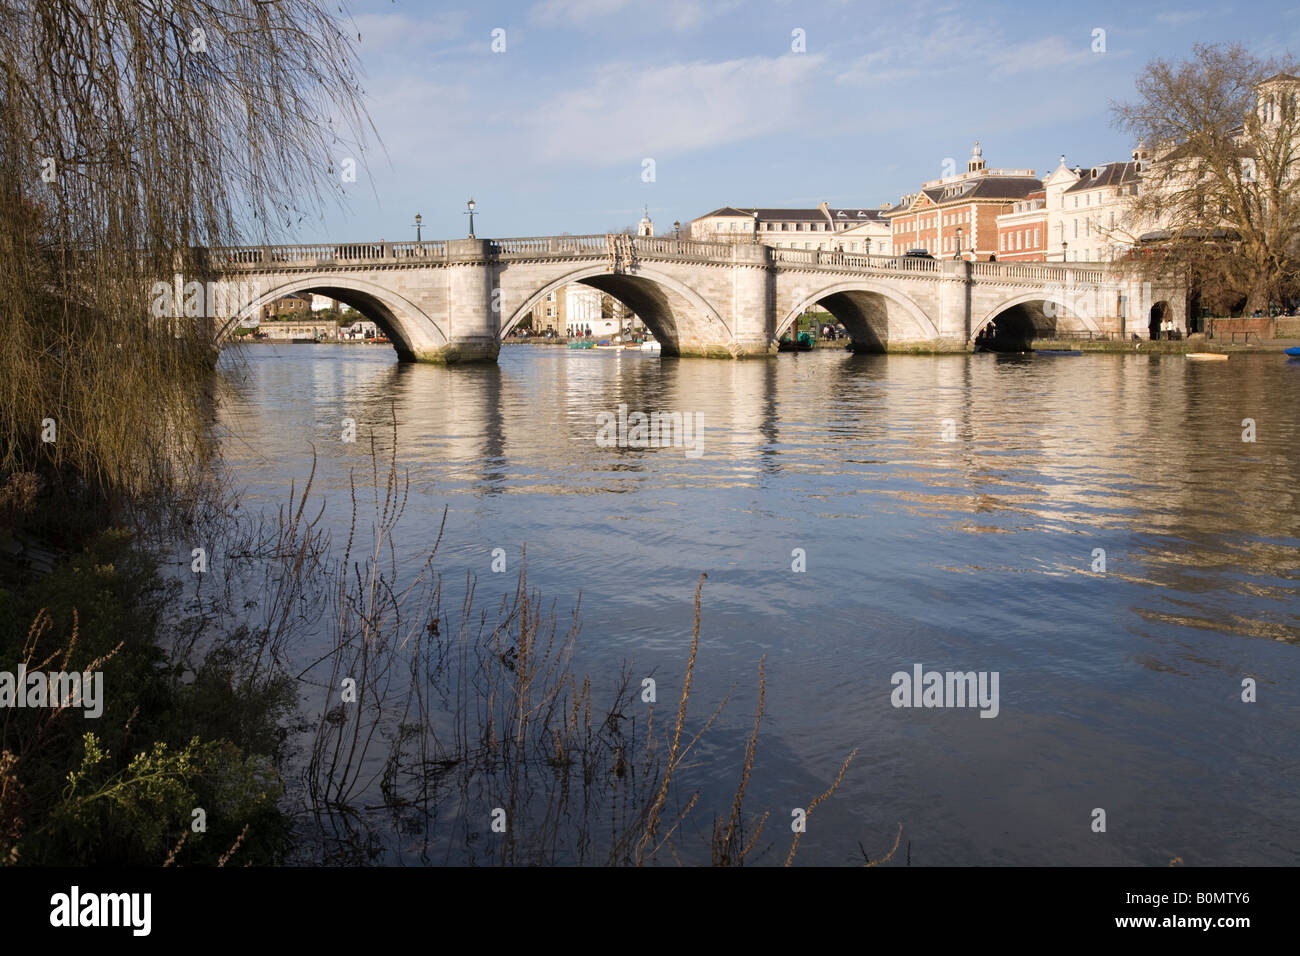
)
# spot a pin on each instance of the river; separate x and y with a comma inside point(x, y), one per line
point(951, 512)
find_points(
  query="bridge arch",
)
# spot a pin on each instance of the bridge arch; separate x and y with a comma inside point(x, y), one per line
point(1035, 314)
point(873, 312)
point(405, 324)
point(672, 310)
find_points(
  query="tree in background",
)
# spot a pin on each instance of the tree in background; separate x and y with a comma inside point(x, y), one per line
point(1223, 183)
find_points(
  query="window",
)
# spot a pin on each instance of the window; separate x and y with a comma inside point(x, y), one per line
point(1004, 242)
point(1087, 230)
point(1076, 202)
point(1076, 228)
point(1035, 238)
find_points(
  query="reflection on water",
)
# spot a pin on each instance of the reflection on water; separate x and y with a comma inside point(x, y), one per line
point(1120, 689)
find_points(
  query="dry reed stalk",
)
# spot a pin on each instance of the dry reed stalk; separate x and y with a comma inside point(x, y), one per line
point(794, 845)
point(890, 855)
point(171, 857)
point(751, 747)
point(231, 852)
point(656, 808)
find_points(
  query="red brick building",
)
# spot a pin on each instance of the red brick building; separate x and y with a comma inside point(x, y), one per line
point(1022, 232)
point(958, 214)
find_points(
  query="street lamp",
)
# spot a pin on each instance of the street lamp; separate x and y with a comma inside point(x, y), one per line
point(418, 220)
point(471, 204)
point(1065, 251)
point(677, 228)
point(868, 247)
point(958, 255)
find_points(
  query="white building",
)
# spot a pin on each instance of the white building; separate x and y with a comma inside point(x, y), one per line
point(845, 229)
point(1088, 211)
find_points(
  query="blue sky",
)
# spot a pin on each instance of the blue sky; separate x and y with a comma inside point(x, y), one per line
point(551, 135)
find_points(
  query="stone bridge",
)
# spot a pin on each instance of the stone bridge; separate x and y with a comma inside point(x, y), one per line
point(452, 301)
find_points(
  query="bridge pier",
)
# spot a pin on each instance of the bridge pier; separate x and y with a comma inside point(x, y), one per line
point(472, 306)
point(752, 307)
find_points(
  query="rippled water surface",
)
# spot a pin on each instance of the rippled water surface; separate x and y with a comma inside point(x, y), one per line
point(1118, 690)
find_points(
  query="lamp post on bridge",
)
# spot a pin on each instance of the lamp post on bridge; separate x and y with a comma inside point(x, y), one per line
point(471, 205)
point(957, 255)
point(418, 220)
point(677, 229)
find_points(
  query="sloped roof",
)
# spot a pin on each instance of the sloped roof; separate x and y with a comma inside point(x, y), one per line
point(1182, 151)
point(995, 188)
point(1111, 174)
point(850, 214)
point(727, 211)
point(857, 215)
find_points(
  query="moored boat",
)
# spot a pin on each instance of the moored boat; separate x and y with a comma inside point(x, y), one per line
point(1293, 351)
point(1207, 355)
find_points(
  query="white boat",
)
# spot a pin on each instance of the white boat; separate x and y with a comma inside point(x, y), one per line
point(651, 346)
point(1207, 355)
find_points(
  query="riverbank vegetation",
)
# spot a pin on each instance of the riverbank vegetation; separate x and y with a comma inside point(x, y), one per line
point(131, 137)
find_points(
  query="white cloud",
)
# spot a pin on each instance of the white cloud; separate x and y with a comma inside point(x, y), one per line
point(948, 47)
point(677, 14)
point(667, 111)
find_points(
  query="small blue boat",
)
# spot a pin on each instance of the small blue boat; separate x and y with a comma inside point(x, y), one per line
point(1294, 351)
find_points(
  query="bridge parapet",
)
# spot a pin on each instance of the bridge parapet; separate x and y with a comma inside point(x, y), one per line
point(533, 246)
point(1039, 272)
point(850, 260)
point(241, 258)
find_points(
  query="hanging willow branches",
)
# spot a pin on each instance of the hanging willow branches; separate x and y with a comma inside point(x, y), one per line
point(132, 134)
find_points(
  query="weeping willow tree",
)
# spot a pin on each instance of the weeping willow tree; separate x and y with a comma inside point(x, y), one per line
point(133, 134)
